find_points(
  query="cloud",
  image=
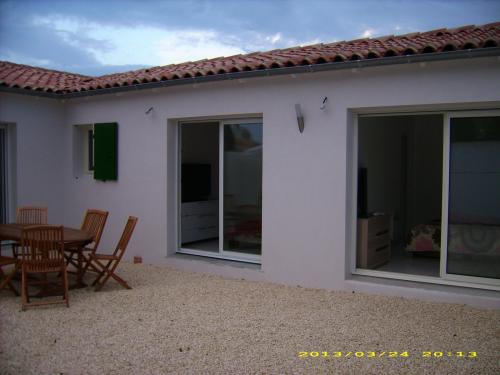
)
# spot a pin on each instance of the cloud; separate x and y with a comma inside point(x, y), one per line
point(368, 33)
point(115, 45)
point(311, 42)
point(273, 39)
point(256, 41)
point(139, 44)
point(35, 45)
point(191, 45)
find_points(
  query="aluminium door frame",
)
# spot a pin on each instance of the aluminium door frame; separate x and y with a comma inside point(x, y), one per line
point(252, 258)
point(4, 170)
point(10, 160)
point(221, 254)
point(352, 190)
point(445, 200)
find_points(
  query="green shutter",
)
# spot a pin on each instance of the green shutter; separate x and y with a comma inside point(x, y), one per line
point(106, 151)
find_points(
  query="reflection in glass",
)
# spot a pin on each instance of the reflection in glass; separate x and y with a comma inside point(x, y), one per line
point(3, 177)
point(474, 197)
point(243, 188)
point(200, 186)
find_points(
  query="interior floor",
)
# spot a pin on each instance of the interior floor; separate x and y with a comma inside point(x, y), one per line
point(211, 245)
point(400, 176)
point(402, 261)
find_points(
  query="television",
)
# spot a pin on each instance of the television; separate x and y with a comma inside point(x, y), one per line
point(195, 182)
point(362, 192)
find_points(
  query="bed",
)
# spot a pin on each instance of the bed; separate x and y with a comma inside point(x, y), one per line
point(463, 238)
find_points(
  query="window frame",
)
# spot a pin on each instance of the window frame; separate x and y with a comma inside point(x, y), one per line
point(351, 216)
point(87, 145)
point(85, 160)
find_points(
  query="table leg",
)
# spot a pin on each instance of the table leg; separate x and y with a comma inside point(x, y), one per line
point(79, 272)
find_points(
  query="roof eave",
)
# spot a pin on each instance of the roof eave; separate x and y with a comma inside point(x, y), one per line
point(383, 61)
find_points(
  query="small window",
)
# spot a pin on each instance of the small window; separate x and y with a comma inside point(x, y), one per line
point(87, 136)
point(83, 150)
point(90, 147)
point(95, 151)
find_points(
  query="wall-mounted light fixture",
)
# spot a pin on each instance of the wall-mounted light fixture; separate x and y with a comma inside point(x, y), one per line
point(300, 117)
point(149, 111)
point(323, 103)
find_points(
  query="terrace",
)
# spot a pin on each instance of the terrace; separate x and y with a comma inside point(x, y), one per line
point(175, 322)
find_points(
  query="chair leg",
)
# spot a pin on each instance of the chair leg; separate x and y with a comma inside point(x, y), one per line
point(24, 291)
point(65, 286)
point(88, 264)
point(10, 277)
point(99, 286)
point(120, 281)
point(102, 271)
point(111, 273)
point(100, 283)
point(70, 260)
point(8, 281)
point(99, 276)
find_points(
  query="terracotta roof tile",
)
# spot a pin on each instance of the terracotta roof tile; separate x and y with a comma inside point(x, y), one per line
point(434, 41)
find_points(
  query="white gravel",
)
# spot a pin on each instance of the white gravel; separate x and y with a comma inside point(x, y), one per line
point(175, 322)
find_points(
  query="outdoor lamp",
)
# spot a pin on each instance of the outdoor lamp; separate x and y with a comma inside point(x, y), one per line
point(300, 117)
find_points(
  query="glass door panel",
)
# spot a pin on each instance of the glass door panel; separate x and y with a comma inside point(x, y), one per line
point(473, 231)
point(199, 187)
point(242, 206)
point(3, 176)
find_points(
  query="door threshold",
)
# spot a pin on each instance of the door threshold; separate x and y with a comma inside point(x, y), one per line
point(230, 257)
point(423, 279)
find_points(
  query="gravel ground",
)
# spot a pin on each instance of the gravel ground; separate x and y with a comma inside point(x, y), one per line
point(176, 322)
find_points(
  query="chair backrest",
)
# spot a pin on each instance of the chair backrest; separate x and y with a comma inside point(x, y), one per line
point(94, 222)
point(42, 244)
point(31, 215)
point(125, 238)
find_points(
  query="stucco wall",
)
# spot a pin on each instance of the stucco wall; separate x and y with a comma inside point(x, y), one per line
point(41, 152)
point(304, 175)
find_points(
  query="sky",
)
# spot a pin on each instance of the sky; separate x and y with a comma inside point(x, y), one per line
point(96, 37)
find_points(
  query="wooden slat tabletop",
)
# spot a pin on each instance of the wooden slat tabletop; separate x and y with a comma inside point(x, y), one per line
point(71, 235)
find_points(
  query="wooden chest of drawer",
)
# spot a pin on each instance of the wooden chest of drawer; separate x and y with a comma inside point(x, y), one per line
point(199, 220)
point(373, 241)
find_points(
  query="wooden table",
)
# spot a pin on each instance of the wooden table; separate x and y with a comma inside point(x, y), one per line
point(76, 238)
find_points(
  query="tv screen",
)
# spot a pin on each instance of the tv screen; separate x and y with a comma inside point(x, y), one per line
point(195, 182)
point(362, 192)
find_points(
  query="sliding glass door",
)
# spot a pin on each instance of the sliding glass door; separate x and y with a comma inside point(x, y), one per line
point(242, 176)
point(3, 175)
point(220, 199)
point(471, 223)
point(432, 181)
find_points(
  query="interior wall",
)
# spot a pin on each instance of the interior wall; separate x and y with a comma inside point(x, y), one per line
point(403, 157)
point(200, 145)
point(380, 152)
point(426, 172)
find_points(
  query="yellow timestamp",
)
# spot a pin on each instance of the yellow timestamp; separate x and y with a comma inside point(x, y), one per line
point(386, 354)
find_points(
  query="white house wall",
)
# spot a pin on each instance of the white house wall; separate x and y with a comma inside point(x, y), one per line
point(305, 197)
point(41, 151)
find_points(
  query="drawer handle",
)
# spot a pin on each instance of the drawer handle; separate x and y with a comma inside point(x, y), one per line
point(385, 231)
point(381, 248)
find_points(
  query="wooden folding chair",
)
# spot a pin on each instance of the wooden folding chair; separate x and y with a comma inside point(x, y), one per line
point(106, 264)
point(42, 253)
point(29, 215)
point(6, 279)
point(93, 223)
